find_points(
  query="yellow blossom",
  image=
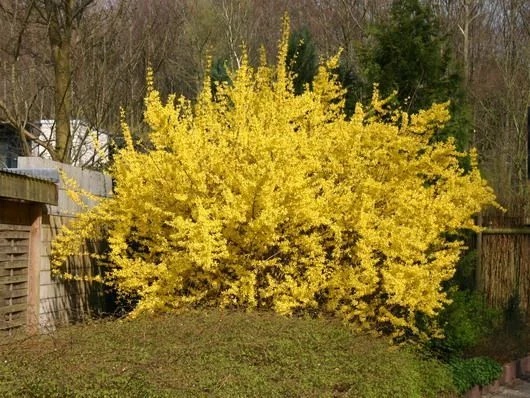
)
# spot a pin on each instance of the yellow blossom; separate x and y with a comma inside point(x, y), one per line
point(259, 198)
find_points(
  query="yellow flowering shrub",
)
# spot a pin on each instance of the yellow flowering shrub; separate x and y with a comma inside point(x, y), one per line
point(259, 198)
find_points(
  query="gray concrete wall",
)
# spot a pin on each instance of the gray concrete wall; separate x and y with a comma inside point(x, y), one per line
point(66, 301)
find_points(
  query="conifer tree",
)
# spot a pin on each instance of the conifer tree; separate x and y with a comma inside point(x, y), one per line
point(219, 74)
point(409, 55)
point(302, 59)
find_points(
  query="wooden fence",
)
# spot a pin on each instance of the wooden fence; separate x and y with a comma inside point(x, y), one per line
point(32, 210)
point(62, 301)
point(503, 269)
point(14, 257)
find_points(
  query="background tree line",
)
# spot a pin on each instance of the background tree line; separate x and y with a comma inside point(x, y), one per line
point(84, 59)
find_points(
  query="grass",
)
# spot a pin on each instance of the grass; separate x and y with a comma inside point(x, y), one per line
point(215, 354)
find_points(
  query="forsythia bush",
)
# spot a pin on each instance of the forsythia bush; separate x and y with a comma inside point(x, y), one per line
point(259, 198)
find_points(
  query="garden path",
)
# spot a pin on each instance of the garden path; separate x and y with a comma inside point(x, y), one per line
point(519, 389)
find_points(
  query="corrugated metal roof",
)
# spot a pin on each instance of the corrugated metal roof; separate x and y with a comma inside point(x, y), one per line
point(45, 174)
point(20, 186)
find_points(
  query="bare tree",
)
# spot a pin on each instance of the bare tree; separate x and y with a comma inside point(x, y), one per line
point(58, 20)
point(62, 19)
point(25, 84)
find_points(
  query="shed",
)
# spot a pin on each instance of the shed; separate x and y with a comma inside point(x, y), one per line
point(34, 205)
point(22, 200)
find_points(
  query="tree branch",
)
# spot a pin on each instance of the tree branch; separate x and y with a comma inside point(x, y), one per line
point(11, 119)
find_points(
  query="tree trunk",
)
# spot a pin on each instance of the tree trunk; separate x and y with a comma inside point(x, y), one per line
point(465, 32)
point(60, 34)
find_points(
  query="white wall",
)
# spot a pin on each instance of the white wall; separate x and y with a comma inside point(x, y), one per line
point(90, 147)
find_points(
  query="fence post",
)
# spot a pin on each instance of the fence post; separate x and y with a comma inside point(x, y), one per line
point(33, 308)
point(478, 271)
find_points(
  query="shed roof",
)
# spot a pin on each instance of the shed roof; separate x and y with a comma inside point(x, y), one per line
point(19, 186)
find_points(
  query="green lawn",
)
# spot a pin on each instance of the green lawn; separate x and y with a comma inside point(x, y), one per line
point(214, 354)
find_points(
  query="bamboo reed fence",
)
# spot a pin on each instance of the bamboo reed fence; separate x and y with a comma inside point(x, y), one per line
point(503, 269)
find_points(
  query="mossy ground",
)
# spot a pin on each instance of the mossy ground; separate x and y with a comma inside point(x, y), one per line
point(214, 354)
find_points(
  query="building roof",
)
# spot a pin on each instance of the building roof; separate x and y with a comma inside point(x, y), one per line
point(46, 174)
point(20, 186)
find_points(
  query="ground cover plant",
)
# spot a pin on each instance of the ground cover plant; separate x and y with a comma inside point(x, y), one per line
point(469, 372)
point(508, 340)
point(259, 198)
point(215, 354)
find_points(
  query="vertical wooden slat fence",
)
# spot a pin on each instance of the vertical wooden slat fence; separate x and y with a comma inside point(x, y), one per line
point(505, 266)
point(14, 255)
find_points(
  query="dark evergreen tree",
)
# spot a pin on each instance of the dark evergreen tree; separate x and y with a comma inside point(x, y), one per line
point(410, 55)
point(219, 74)
point(302, 58)
point(357, 88)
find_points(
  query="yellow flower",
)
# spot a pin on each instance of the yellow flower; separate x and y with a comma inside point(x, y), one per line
point(263, 199)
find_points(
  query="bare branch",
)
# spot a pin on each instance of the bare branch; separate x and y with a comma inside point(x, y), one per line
point(11, 119)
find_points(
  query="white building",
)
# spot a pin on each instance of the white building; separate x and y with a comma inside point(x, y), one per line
point(90, 147)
